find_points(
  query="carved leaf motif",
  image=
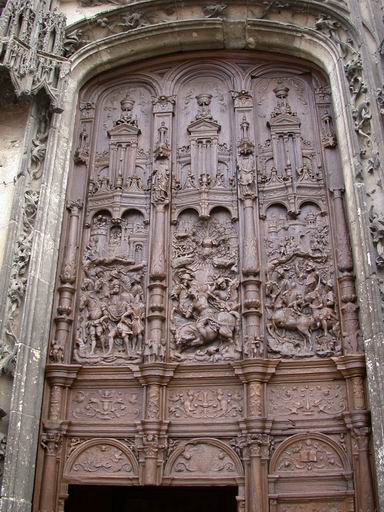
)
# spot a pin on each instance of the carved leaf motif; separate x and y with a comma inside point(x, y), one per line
point(255, 398)
point(153, 404)
point(205, 404)
point(102, 459)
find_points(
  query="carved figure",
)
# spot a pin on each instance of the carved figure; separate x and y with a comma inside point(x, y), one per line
point(204, 295)
point(214, 10)
point(134, 20)
point(246, 169)
point(160, 182)
point(377, 231)
point(126, 116)
point(112, 297)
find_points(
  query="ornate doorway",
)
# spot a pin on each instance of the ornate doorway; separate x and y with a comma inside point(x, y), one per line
point(206, 328)
point(151, 499)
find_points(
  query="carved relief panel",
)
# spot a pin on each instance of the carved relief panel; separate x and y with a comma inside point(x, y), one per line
point(233, 195)
point(205, 308)
point(302, 274)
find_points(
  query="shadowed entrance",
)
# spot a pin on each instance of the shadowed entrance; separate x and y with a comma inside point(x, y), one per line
point(151, 499)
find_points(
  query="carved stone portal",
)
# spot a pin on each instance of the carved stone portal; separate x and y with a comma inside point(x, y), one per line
point(206, 328)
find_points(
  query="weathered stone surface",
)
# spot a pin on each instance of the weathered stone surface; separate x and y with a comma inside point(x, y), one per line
point(116, 34)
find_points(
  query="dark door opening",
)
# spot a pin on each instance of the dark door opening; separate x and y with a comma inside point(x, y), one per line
point(151, 499)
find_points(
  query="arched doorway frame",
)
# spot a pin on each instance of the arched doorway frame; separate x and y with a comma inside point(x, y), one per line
point(122, 49)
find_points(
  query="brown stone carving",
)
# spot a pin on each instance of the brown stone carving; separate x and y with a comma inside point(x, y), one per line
point(204, 295)
point(309, 455)
point(307, 399)
point(200, 457)
point(206, 323)
point(106, 405)
point(101, 458)
point(205, 403)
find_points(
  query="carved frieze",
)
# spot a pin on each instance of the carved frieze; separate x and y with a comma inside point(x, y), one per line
point(205, 403)
point(106, 405)
point(110, 322)
point(301, 309)
point(307, 400)
point(18, 283)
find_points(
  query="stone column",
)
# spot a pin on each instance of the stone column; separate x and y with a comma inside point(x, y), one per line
point(363, 482)
point(163, 113)
point(240, 499)
point(151, 440)
point(59, 377)
point(358, 422)
point(51, 440)
point(258, 478)
point(345, 278)
point(255, 375)
point(247, 192)
point(67, 288)
point(349, 309)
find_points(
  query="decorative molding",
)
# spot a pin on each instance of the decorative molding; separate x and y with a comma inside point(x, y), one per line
point(307, 400)
point(102, 458)
point(32, 38)
point(106, 405)
point(205, 404)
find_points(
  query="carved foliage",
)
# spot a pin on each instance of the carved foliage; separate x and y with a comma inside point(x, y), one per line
point(106, 405)
point(18, 282)
point(101, 458)
point(3, 446)
point(205, 403)
point(307, 400)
